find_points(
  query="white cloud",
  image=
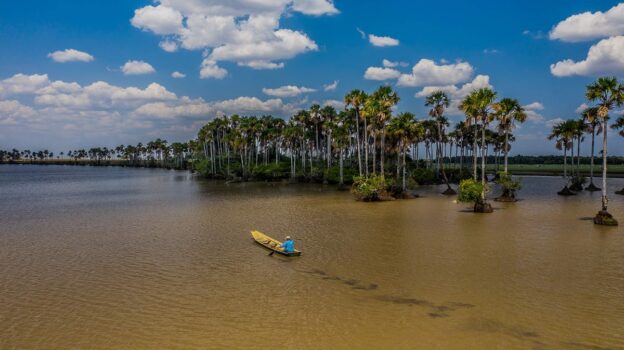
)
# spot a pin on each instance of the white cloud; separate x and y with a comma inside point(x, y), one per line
point(490, 51)
point(588, 26)
point(109, 111)
point(531, 111)
point(178, 75)
point(331, 87)
point(137, 67)
point(12, 111)
point(158, 19)
point(338, 105)
point(391, 64)
point(23, 84)
point(605, 57)
point(427, 72)
point(362, 33)
point(535, 35)
point(382, 41)
point(210, 69)
point(457, 94)
point(380, 73)
point(70, 55)
point(552, 122)
point(287, 91)
point(243, 31)
point(580, 109)
point(535, 106)
point(168, 45)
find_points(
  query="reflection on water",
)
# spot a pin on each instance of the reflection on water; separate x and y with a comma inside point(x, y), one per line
point(104, 258)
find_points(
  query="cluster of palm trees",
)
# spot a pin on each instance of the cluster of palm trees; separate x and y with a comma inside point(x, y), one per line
point(156, 153)
point(606, 93)
point(15, 154)
point(366, 136)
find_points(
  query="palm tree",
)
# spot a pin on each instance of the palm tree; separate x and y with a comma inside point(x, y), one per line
point(508, 111)
point(619, 125)
point(593, 126)
point(563, 134)
point(439, 101)
point(404, 128)
point(478, 105)
point(356, 99)
point(608, 93)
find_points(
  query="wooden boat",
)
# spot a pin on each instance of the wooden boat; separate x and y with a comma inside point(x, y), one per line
point(271, 244)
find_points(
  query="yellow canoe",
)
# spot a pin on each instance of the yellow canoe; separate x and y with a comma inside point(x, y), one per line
point(271, 243)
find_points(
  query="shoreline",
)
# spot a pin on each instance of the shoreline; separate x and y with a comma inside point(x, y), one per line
point(187, 166)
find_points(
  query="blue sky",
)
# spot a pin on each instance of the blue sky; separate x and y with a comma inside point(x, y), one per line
point(237, 54)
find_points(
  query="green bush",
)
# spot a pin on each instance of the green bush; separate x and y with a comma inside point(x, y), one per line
point(370, 188)
point(424, 176)
point(470, 190)
point(508, 183)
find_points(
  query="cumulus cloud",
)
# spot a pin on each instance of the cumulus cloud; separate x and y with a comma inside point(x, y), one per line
point(168, 45)
point(382, 41)
point(137, 68)
point(338, 105)
point(245, 32)
point(457, 93)
point(331, 87)
point(427, 72)
point(70, 55)
point(605, 57)
point(552, 122)
point(33, 102)
point(11, 111)
point(392, 64)
point(287, 91)
point(178, 75)
point(381, 73)
point(581, 108)
point(210, 69)
point(590, 25)
point(532, 113)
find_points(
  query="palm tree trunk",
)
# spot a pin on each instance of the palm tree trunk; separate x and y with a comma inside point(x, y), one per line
point(591, 167)
point(565, 161)
point(357, 140)
point(404, 169)
point(382, 151)
point(366, 147)
point(483, 161)
point(506, 150)
point(604, 165)
point(474, 159)
point(341, 168)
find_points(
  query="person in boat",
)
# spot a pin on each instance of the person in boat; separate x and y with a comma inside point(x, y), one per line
point(288, 245)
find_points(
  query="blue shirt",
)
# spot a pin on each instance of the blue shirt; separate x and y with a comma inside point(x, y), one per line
point(289, 246)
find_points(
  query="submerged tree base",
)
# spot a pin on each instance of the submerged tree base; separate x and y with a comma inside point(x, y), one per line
point(483, 207)
point(592, 188)
point(449, 192)
point(604, 218)
point(620, 192)
point(566, 192)
point(576, 187)
point(508, 196)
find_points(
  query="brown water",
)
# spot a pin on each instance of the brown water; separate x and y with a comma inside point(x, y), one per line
point(113, 258)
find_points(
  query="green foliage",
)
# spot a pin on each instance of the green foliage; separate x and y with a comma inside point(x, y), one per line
point(269, 172)
point(508, 183)
point(578, 181)
point(202, 166)
point(424, 176)
point(333, 174)
point(470, 190)
point(369, 188)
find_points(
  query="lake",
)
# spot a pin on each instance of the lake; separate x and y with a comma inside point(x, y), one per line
point(123, 258)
